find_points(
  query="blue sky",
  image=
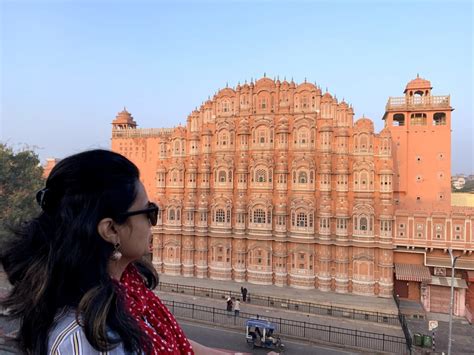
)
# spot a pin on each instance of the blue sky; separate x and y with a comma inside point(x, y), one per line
point(67, 67)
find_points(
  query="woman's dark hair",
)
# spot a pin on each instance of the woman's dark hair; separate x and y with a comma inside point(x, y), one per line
point(58, 259)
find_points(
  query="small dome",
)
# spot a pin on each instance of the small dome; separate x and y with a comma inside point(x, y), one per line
point(124, 117)
point(418, 84)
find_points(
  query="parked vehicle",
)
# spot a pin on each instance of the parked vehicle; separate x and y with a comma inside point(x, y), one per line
point(261, 333)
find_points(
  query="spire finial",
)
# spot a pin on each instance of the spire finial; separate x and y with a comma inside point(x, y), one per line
point(417, 75)
point(305, 80)
point(264, 74)
point(226, 84)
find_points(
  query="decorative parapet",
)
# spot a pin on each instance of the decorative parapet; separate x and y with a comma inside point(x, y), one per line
point(403, 103)
point(142, 132)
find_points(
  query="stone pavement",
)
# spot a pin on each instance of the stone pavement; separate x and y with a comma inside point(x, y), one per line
point(366, 303)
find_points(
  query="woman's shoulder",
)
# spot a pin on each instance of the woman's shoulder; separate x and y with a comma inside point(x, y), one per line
point(67, 337)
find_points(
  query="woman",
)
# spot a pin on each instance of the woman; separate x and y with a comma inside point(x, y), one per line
point(80, 284)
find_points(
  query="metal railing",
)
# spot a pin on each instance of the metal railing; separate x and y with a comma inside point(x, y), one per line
point(403, 323)
point(296, 329)
point(283, 303)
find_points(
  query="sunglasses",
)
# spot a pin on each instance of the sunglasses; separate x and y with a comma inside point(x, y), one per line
point(151, 212)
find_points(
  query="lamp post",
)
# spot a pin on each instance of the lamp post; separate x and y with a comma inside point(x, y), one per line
point(453, 265)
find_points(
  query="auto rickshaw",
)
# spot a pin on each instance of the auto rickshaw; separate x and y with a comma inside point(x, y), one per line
point(261, 333)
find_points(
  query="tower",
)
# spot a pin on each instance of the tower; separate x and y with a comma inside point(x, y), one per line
point(123, 120)
point(420, 125)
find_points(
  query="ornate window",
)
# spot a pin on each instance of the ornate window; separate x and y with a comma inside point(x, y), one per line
point(363, 224)
point(385, 183)
point(221, 212)
point(301, 219)
point(302, 177)
point(220, 215)
point(258, 216)
point(174, 215)
point(363, 180)
point(261, 175)
point(341, 226)
point(222, 176)
point(162, 149)
point(324, 225)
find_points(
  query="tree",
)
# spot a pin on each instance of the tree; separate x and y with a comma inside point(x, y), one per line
point(20, 179)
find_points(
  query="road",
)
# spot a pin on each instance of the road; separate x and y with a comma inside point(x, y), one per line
point(216, 337)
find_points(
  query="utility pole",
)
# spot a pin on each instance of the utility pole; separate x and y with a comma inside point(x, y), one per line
point(451, 301)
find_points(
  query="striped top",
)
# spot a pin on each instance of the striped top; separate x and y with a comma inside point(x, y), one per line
point(68, 338)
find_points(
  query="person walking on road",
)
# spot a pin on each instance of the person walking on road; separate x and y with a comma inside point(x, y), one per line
point(237, 307)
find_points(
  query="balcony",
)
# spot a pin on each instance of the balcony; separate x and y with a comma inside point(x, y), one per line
point(417, 102)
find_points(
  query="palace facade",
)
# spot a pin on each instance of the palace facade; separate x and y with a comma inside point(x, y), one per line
point(275, 183)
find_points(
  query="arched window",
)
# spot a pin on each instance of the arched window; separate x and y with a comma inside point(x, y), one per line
point(171, 214)
point(259, 216)
point(363, 224)
point(363, 143)
point(363, 180)
point(225, 106)
point(220, 215)
point(302, 177)
point(224, 138)
point(301, 220)
point(302, 137)
point(261, 175)
point(439, 119)
point(222, 176)
point(399, 119)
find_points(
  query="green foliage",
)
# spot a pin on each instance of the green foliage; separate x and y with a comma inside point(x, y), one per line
point(20, 179)
point(468, 187)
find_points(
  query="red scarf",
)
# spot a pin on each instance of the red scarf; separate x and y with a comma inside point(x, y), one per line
point(153, 317)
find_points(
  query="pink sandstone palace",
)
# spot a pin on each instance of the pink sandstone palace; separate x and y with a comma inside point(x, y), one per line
point(274, 183)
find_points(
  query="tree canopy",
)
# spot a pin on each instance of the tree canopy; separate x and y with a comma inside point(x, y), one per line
point(20, 179)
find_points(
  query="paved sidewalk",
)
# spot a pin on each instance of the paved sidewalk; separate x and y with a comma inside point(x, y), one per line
point(462, 334)
point(366, 303)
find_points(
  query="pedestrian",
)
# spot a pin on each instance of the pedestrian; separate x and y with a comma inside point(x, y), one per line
point(237, 307)
point(80, 281)
point(244, 294)
point(229, 306)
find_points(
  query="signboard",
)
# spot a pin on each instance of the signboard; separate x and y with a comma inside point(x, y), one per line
point(432, 324)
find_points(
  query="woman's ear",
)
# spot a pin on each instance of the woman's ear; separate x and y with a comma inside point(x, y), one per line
point(107, 230)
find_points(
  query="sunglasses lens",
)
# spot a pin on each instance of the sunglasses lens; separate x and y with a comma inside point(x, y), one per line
point(153, 215)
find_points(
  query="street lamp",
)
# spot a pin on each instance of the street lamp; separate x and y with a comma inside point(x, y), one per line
point(453, 264)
